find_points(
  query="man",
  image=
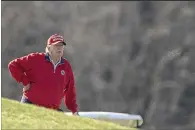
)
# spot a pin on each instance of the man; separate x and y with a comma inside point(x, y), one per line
point(47, 77)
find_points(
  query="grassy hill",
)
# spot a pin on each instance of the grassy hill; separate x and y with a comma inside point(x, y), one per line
point(24, 116)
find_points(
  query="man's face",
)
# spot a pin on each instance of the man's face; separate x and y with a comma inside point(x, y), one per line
point(57, 49)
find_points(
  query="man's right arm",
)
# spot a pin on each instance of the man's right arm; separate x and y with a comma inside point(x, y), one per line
point(19, 66)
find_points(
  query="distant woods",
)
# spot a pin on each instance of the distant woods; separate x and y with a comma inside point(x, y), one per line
point(134, 57)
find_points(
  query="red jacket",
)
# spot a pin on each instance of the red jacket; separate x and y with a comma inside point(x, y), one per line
point(48, 85)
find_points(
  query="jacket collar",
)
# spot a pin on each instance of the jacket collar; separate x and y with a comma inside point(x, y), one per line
point(47, 58)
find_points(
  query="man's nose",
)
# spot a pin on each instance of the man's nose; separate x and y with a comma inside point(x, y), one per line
point(59, 47)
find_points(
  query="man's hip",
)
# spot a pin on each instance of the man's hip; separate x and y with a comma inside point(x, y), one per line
point(25, 100)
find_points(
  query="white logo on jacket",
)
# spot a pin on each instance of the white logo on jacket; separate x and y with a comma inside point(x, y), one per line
point(62, 72)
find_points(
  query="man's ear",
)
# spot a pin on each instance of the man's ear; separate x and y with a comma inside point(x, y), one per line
point(48, 47)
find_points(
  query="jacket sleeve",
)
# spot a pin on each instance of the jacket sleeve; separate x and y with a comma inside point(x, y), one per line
point(19, 66)
point(70, 94)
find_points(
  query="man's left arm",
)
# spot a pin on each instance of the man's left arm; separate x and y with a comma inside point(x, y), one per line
point(70, 94)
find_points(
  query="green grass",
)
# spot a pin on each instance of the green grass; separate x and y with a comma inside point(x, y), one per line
point(24, 116)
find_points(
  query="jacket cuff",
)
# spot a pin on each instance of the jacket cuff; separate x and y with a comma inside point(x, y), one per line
point(74, 110)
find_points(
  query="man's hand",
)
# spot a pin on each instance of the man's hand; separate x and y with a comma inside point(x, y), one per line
point(26, 88)
point(76, 114)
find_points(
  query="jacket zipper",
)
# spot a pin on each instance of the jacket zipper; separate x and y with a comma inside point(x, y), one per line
point(55, 66)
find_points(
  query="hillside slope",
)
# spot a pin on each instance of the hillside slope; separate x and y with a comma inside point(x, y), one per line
point(24, 116)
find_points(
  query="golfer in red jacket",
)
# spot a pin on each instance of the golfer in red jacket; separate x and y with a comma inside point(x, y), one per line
point(47, 77)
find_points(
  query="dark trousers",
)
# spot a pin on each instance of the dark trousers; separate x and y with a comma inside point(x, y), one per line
point(25, 100)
